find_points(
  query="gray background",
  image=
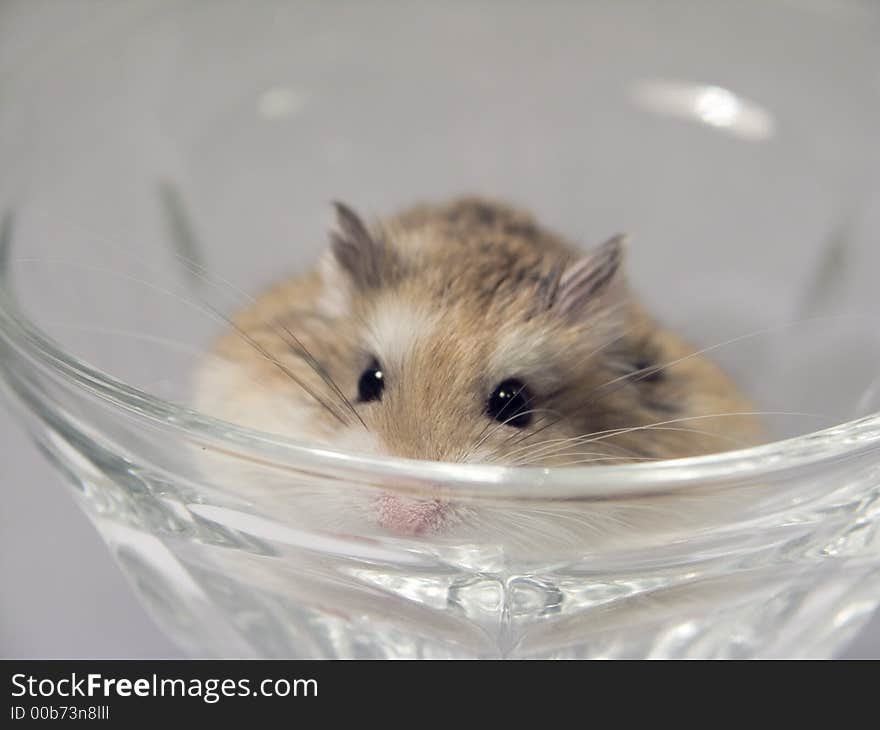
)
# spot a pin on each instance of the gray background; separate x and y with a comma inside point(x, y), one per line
point(99, 101)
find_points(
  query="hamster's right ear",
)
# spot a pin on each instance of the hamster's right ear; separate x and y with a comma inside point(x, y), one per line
point(364, 257)
point(594, 281)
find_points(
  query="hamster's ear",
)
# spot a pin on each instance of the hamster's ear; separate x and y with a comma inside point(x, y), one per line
point(592, 281)
point(362, 256)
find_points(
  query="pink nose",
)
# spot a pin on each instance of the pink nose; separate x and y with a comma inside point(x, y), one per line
point(412, 516)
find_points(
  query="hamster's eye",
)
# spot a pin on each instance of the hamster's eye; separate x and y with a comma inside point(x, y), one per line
point(509, 403)
point(648, 371)
point(371, 383)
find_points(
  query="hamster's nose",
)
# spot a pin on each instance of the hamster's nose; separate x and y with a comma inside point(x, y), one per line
point(412, 516)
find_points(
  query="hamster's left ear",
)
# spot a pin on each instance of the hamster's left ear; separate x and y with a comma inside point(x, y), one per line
point(593, 281)
point(364, 257)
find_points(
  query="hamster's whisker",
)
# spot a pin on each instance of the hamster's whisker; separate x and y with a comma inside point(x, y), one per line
point(548, 448)
point(594, 460)
point(645, 372)
point(559, 443)
point(605, 345)
point(720, 436)
point(532, 397)
point(538, 524)
point(503, 408)
point(133, 334)
point(201, 272)
point(202, 307)
point(325, 376)
point(561, 440)
point(649, 370)
point(530, 532)
point(142, 336)
point(610, 433)
point(523, 437)
point(213, 279)
point(503, 423)
point(608, 343)
point(284, 369)
point(598, 456)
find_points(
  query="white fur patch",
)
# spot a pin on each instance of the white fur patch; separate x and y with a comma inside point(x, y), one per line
point(394, 328)
point(525, 352)
point(410, 244)
point(333, 301)
point(226, 390)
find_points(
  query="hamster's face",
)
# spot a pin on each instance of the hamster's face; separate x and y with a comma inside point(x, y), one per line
point(459, 382)
point(443, 339)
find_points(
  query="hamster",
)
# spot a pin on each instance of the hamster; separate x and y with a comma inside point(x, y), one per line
point(468, 332)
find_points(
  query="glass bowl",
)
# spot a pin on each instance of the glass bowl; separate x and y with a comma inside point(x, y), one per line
point(163, 162)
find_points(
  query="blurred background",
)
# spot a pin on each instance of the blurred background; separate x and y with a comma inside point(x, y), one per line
point(735, 142)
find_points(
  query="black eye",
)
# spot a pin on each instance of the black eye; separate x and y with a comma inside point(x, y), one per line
point(371, 383)
point(509, 404)
point(647, 371)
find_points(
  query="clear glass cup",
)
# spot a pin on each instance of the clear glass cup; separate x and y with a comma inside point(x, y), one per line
point(163, 162)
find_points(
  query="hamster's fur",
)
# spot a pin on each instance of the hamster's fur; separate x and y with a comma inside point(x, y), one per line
point(444, 304)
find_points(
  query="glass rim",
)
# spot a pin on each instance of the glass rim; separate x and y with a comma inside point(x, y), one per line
point(831, 444)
